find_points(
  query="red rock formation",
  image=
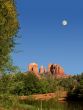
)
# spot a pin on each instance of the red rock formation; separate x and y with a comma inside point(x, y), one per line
point(33, 67)
point(42, 70)
point(49, 66)
point(55, 69)
point(59, 70)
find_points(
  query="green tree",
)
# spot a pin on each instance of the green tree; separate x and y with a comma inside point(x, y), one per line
point(76, 93)
point(8, 29)
point(30, 84)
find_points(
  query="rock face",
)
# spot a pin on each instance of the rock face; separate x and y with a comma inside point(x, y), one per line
point(49, 67)
point(42, 70)
point(33, 67)
point(55, 69)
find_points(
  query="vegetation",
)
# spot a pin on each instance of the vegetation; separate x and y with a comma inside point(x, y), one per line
point(28, 83)
point(8, 29)
point(14, 85)
point(76, 93)
point(11, 102)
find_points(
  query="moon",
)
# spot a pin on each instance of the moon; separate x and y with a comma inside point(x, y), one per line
point(64, 22)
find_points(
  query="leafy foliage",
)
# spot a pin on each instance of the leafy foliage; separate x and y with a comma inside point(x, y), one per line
point(8, 29)
point(28, 83)
point(76, 93)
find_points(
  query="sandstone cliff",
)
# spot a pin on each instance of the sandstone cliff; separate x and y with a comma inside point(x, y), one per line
point(54, 69)
point(42, 70)
point(33, 67)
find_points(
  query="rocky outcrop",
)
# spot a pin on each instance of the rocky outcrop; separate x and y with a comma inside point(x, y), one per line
point(49, 68)
point(55, 69)
point(42, 70)
point(33, 67)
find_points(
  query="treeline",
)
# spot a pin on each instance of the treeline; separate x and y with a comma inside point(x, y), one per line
point(27, 84)
point(76, 93)
point(14, 85)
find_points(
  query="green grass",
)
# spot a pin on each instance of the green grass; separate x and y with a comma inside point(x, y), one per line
point(10, 102)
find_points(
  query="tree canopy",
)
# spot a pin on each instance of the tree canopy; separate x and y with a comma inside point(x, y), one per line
point(8, 28)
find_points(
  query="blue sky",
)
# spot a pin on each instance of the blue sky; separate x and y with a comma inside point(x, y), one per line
point(44, 40)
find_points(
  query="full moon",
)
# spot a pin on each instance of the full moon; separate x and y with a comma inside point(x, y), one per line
point(64, 22)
